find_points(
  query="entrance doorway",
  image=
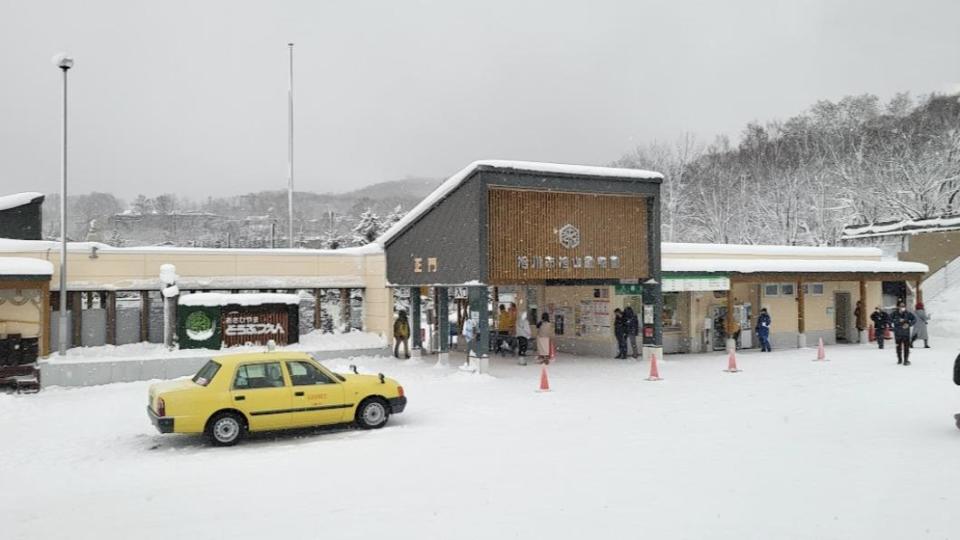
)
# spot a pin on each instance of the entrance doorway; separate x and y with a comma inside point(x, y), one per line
point(841, 314)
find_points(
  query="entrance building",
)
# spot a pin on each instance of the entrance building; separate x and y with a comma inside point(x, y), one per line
point(570, 241)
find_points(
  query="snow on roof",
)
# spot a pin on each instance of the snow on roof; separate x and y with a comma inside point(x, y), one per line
point(748, 266)
point(18, 199)
point(906, 226)
point(457, 179)
point(670, 248)
point(21, 266)
point(13, 245)
point(242, 299)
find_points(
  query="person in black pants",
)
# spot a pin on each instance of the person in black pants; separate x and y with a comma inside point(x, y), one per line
point(902, 321)
point(880, 323)
point(620, 332)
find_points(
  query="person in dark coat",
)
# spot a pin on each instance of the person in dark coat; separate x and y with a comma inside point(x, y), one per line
point(620, 332)
point(633, 330)
point(401, 334)
point(881, 321)
point(763, 330)
point(902, 322)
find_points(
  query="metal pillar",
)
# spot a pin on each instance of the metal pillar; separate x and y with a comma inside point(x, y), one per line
point(443, 317)
point(290, 153)
point(415, 319)
point(801, 313)
point(62, 336)
point(479, 308)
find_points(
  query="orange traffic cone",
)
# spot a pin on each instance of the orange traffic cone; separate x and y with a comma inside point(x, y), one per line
point(654, 372)
point(821, 354)
point(553, 350)
point(732, 363)
point(544, 382)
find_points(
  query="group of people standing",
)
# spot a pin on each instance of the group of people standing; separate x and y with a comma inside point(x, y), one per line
point(907, 328)
point(512, 327)
point(626, 326)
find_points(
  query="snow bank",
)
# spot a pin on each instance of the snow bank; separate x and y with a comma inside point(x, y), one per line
point(242, 299)
point(457, 179)
point(314, 341)
point(944, 313)
point(20, 266)
point(18, 199)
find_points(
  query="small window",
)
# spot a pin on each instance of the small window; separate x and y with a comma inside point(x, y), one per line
point(206, 373)
point(787, 289)
point(305, 374)
point(771, 289)
point(251, 376)
point(813, 289)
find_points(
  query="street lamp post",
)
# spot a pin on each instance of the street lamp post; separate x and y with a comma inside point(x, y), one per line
point(63, 62)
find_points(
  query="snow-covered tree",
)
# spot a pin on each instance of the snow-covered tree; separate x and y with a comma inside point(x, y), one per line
point(368, 228)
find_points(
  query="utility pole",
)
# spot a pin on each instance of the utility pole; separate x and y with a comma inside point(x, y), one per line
point(290, 152)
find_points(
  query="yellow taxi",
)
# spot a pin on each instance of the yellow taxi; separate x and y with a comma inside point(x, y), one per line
point(235, 394)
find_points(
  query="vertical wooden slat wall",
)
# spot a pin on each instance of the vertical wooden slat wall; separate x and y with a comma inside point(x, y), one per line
point(526, 223)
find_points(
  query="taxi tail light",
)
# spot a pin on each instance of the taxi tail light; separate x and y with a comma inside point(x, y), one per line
point(400, 391)
point(161, 407)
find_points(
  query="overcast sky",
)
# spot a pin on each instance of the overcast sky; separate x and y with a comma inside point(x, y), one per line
point(190, 97)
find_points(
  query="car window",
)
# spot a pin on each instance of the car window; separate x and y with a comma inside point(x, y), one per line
point(266, 375)
point(305, 373)
point(206, 373)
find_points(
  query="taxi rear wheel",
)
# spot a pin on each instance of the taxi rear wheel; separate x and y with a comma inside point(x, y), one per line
point(226, 429)
point(372, 413)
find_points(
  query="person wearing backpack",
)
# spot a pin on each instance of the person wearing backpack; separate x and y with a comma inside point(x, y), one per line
point(401, 334)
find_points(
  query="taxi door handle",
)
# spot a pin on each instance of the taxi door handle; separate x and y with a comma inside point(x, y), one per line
point(239, 398)
point(298, 393)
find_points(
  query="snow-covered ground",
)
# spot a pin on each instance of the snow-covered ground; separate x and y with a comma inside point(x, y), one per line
point(856, 447)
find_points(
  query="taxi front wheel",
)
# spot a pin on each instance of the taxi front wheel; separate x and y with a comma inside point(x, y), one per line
point(372, 413)
point(225, 429)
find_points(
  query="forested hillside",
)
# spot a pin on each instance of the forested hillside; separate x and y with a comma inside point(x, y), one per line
point(800, 180)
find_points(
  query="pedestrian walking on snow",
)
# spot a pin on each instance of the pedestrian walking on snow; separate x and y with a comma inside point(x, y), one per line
point(902, 322)
point(920, 328)
point(881, 321)
point(633, 330)
point(620, 332)
point(523, 337)
point(401, 334)
point(544, 339)
point(763, 330)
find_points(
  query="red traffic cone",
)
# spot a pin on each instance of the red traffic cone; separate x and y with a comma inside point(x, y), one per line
point(553, 350)
point(821, 354)
point(654, 372)
point(732, 363)
point(544, 382)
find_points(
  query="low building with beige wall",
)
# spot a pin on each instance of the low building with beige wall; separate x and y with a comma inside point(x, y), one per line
point(94, 268)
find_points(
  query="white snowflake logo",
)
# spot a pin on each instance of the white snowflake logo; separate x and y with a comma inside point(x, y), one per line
point(569, 236)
